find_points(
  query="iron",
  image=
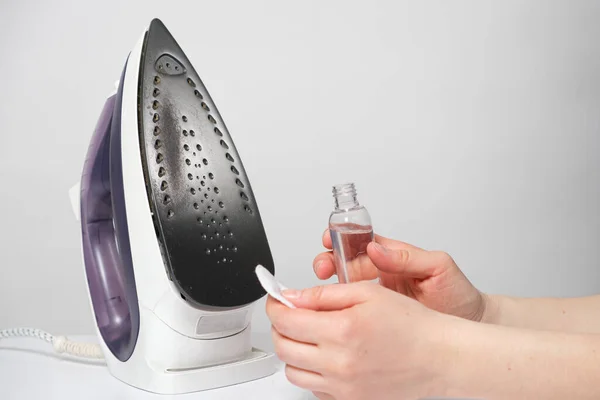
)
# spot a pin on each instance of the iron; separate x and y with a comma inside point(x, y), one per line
point(171, 231)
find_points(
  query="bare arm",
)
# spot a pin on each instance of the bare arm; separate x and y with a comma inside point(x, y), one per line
point(496, 363)
point(576, 315)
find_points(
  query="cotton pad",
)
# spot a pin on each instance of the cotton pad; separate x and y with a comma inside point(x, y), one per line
point(271, 285)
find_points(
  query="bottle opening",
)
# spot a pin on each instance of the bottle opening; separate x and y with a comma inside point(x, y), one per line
point(344, 189)
point(345, 196)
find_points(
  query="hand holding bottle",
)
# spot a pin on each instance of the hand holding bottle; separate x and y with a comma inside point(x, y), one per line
point(431, 277)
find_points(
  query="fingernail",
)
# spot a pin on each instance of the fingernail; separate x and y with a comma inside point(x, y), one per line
point(291, 293)
point(380, 248)
point(318, 264)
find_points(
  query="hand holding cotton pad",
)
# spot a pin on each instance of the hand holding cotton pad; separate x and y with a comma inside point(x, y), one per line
point(271, 285)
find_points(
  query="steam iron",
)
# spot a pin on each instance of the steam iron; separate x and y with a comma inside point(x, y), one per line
point(171, 231)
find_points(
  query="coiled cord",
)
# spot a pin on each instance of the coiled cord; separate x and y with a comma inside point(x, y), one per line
point(60, 343)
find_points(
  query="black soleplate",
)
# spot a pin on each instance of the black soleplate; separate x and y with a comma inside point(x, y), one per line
point(205, 213)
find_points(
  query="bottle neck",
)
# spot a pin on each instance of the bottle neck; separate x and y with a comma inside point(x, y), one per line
point(345, 196)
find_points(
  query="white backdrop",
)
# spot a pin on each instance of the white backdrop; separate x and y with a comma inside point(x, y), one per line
point(467, 126)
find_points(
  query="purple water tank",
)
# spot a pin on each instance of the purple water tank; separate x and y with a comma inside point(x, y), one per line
point(105, 235)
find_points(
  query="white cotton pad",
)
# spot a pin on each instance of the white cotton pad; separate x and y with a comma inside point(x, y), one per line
point(270, 284)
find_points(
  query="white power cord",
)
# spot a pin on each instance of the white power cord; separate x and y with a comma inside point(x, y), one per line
point(60, 343)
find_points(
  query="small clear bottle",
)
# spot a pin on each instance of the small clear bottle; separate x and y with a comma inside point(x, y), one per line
point(351, 231)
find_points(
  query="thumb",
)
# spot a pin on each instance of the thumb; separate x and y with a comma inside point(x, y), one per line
point(411, 262)
point(331, 297)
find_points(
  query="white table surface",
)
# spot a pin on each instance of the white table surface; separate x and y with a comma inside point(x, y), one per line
point(29, 369)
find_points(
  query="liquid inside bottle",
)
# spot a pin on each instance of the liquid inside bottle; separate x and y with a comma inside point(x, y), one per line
point(351, 231)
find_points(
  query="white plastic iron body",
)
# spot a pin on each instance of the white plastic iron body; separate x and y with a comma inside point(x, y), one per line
point(163, 342)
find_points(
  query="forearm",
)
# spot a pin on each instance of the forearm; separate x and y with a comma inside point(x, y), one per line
point(497, 363)
point(556, 314)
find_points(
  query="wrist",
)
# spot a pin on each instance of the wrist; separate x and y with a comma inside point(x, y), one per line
point(491, 309)
point(476, 359)
point(448, 346)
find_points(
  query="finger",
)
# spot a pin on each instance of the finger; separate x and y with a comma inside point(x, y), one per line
point(324, 266)
point(305, 379)
point(393, 244)
point(300, 355)
point(331, 297)
point(323, 396)
point(327, 239)
point(411, 262)
point(360, 268)
point(301, 325)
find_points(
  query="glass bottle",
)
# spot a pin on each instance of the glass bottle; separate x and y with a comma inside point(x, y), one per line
point(351, 231)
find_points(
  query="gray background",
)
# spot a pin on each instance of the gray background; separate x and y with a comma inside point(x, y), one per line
point(467, 126)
